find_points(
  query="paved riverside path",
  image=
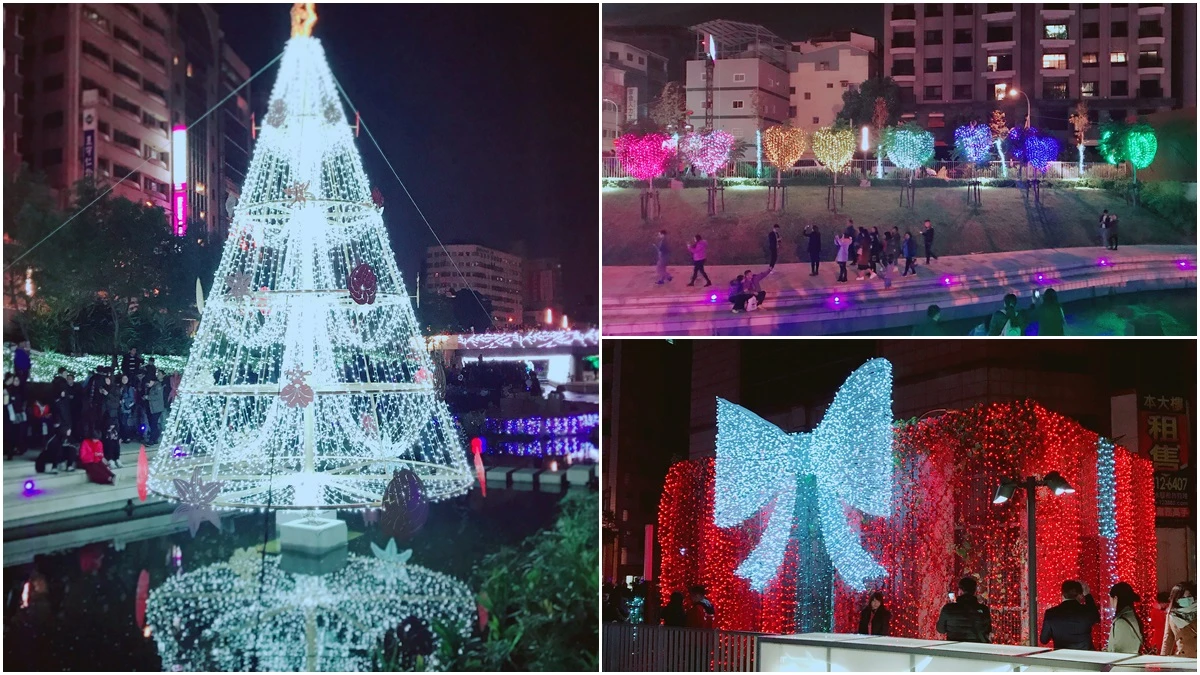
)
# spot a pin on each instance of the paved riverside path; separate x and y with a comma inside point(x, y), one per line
point(963, 286)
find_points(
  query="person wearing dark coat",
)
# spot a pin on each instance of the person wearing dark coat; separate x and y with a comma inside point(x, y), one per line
point(61, 408)
point(131, 362)
point(874, 618)
point(814, 248)
point(57, 452)
point(58, 383)
point(155, 405)
point(673, 614)
point(927, 236)
point(75, 394)
point(1069, 624)
point(966, 619)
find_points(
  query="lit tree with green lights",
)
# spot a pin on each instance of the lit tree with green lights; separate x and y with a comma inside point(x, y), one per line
point(1134, 143)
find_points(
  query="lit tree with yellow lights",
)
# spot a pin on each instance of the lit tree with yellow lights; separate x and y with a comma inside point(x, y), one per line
point(834, 148)
point(308, 384)
point(782, 146)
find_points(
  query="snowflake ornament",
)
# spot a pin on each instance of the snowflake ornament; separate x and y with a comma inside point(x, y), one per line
point(298, 193)
point(239, 284)
point(297, 393)
point(196, 501)
point(333, 114)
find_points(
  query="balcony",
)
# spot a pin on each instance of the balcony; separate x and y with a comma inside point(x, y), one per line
point(1150, 34)
point(1056, 12)
point(904, 15)
point(1148, 65)
point(1151, 10)
point(999, 12)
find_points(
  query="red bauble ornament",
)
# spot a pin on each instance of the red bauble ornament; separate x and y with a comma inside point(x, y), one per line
point(363, 284)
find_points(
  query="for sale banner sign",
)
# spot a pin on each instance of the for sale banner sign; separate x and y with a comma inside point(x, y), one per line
point(1163, 424)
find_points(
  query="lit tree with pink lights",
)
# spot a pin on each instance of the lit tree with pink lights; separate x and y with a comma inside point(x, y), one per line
point(709, 152)
point(645, 157)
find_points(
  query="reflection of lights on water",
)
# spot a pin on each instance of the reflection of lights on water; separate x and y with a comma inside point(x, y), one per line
point(25, 595)
point(537, 426)
point(175, 557)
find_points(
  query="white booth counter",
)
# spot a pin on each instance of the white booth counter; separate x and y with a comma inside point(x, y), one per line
point(839, 652)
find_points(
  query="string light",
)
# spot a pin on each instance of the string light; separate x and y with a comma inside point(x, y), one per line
point(207, 620)
point(644, 157)
point(784, 146)
point(708, 152)
point(974, 142)
point(908, 146)
point(942, 526)
point(1040, 150)
point(1141, 145)
point(305, 221)
point(849, 454)
point(537, 339)
point(833, 147)
point(44, 365)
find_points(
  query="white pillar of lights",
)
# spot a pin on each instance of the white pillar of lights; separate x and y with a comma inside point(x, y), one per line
point(179, 180)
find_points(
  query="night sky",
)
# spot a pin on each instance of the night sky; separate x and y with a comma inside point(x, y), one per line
point(790, 21)
point(488, 113)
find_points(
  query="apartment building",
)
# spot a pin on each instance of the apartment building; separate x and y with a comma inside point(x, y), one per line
point(612, 106)
point(94, 98)
point(957, 60)
point(750, 79)
point(645, 74)
point(494, 274)
point(101, 87)
point(822, 70)
point(543, 299)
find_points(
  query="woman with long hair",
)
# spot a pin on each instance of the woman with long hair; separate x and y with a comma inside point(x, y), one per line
point(874, 618)
point(673, 614)
point(1179, 635)
point(1126, 635)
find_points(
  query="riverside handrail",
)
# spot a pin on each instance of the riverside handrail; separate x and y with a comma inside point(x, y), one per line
point(669, 649)
point(610, 167)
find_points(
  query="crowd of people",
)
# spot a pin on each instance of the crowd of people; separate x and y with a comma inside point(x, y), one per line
point(875, 255)
point(966, 618)
point(82, 423)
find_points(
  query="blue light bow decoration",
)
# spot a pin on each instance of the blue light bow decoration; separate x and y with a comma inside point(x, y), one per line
point(849, 454)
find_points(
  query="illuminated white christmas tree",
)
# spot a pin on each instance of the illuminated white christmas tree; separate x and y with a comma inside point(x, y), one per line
point(308, 383)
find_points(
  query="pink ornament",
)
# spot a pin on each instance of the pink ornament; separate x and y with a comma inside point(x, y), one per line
point(363, 284)
point(297, 393)
point(369, 425)
point(708, 152)
point(422, 376)
point(644, 157)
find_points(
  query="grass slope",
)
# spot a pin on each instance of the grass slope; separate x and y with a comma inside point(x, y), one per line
point(1006, 221)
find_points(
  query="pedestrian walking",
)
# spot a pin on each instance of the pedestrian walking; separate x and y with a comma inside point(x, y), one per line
point(773, 241)
point(927, 236)
point(660, 262)
point(908, 249)
point(813, 233)
point(887, 248)
point(1179, 634)
point(699, 250)
point(894, 254)
point(876, 249)
point(843, 256)
point(874, 618)
point(1104, 229)
point(1068, 625)
point(965, 619)
point(1126, 635)
point(1113, 236)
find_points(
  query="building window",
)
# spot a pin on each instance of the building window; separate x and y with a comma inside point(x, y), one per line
point(151, 122)
point(95, 52)
point(905, 39)
point(962, 64)
point(998, 91)
point(933, 65)
point(154, 58)
point(1150, 89)
point(105, 130)
point(1090, 30)
point(54, 45)
point(739, 77)
point(963, 9)
point(1116, 57)
point(127, 140)
point(816, 120)
point(904, 67)
point(1150, 29)
point(102, 167)
point(1150, 59)
point(845, 84)
point(829, 85)
point(126, 71)
point(122, 171)
point(614, 56)
point(52, 157)
point(1120, 29)
point(904, 12)
point(933, 9)
point(127, 39)
point(52, 83)
point(153, 26)
point(808, 96)
point(792, 90)
point(1087, 89)
point(95, 17)
point(738, 105)
point(1054, 61)
point(1056, 31)
point(53, 121)
point(1091, 58)
point(962, 36)
point(126, 105)
point(641, 60)
point(151, 88)
point(1119, 88)
point(962, 92)
point(906, 96)
point(999, 63)
point(933, 93)
point(936, 121)
point(933, 37)
point(791, 111)
point(628, 57)
point(997, 7)
point(1054, 90)
point(999, 34)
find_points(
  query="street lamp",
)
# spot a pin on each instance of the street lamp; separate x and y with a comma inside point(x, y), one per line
point(1004, 491)
point(1028, 109)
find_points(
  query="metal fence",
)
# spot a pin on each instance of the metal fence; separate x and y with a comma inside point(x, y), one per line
point(610, 167)
point(666, 649)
